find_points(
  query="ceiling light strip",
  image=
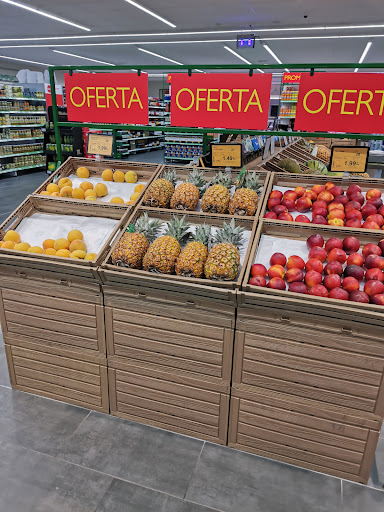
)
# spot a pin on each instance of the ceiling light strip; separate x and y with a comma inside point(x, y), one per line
point(85, 58)
point(24, 60)
point(237, 55)
point(46, 14)
point(364, 54)
point(151, 13)
point(160, 56)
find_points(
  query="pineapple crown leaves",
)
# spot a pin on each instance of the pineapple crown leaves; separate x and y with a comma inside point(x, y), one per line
point(196, 177)
point(203, 234)
point(222, 178)
point(178, 228)
point(230, 234)
point(149, 228)
point(249, 180)
point(170, 176)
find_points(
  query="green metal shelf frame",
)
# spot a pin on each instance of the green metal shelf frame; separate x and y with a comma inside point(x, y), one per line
point(204, 131)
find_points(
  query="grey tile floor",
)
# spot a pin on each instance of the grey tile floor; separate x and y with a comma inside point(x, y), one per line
point(55, 457)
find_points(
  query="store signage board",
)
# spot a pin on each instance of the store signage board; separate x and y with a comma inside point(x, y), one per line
point(341, 102)
point(349, 159)
point(291, 78)
point(221, 100)
point(224, 155)
point(107, 98)
point(100, 144)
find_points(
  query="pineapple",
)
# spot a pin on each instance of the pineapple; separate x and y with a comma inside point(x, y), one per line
point(186, 195)
point(191, 261)
point(159, 193)
point(129, 251)
point(223, 260)
point(216, 198)
point(163, 253)
point(245, 199)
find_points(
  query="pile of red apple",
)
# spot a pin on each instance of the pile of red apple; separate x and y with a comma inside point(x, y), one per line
point(334, 269)
point(329, 205)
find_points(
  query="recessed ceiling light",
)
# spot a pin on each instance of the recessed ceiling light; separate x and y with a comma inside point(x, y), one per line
point(135, 4)
point(24, 60)
point(85, 58)
point(364, 54)
point(160, 56)
point(47, 15)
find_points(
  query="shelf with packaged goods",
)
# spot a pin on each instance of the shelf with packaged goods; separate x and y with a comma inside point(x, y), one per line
point(23, 112)
point(21, 126)
point(288, 101)
point(21, 139)
point(2, 171)
point(22, 154)
point(180, 157)
point(183, 143)
point(134, 150)
point(21, 99)
point(126, 139)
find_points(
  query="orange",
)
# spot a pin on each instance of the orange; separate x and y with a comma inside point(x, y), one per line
point(48, 244)
point(75, 234)
point(52, 187)
point(130, 202)
point(8, 245)
point(77, 245)
point(101, 190)
point(117, 200)
point(55, 194)
point(86, 185)
point(50, 251)
point(12, 236)
point(61, 243)
point(139, 188)
point(63, 253)
point(90, 256)
point(78, 193)
point(134, 196)
point(45, 193)
point(130, 177)
point(36, 249)
point(78, 255)
point(89, 192)
point(22, 247)
point(118, 177)
point(107, 175)
point(82, 172)
point(66, 191)
point(91, 198)
point(65, 182)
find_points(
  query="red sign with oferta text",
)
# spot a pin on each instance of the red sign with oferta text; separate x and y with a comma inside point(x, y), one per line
point(341, 102)
point(107, 98)
point(221, 100)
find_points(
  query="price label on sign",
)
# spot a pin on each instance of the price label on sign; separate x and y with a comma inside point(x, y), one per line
point(100, 144)
point(226, 155)
point(349, 159)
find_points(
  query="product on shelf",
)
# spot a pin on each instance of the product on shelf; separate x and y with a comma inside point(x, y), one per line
point(193, 257)
point(289, 165)
point(245, 200)
point(160, 192)
point(187, 194)
point(217, 196)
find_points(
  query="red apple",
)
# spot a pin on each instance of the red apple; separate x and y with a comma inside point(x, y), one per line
point(318, 219)
point(353, 189)
point(314, 264)
point(299, 191)
point(278, 259)
point(258, 281)
point(315, 241)
point(354, 271)
point(374, 274)
point(378, 299)
point(359, 296)
point(319, 211)
point(376, 218)
point(374, 261)
point(333, 243)
point(337, 191)
point(352, 205)
point(370, 225)
point(352, 214)
point(276, 193)
point(302, 218)
point(381, 210)
point(381, 245)
point(325, 196)
point(318, 253)
point(373, 287)
point(318, 188)
point(336, 214)
point(280, 208)
point(332, 281)
point(319, 290)
point(373, 193)
point(290, 194)
point(310, 194)
point(313, 278)
point(319, 204)
point(294, 274)
point(377, 203)
point(338, 293)
point(337, 255)
point(335, 206)
point(335, 222)
point(334, 267)
point(298, 287)
point(303, 204)
point(295, 262)
point(276, 271)
point(258, 269)
point(351, 244)
point(371, 249)
point(289, 204)
point(270, 215)
point(341, 199)
point(353, 223)
point(276, 283)
point(274, 201)
point(367, 210)
point(350, 284)
point(285, 216)
point(329, 185)
point(358, 197)
point(355, 259)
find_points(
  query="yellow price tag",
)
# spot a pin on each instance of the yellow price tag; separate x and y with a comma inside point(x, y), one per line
point(226, 155)
point(100, 144)
point(349, 159)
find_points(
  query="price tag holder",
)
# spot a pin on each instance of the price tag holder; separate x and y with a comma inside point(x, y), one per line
point(100, 144)
point(353, 159)
point(224, 155)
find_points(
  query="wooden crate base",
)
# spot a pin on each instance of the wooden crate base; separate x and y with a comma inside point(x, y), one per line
point(297, 431)
point(67, 379)
point(178, 401)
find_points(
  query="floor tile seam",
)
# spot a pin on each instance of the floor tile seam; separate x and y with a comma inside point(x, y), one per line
point(102, 497)
point(4, 386)
point(77, 428)
point(194, 471)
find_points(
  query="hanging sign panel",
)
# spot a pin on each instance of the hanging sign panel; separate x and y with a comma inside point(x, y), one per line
point(291, 78)
point(107, 98)
point(221, 100)
point(341, 102)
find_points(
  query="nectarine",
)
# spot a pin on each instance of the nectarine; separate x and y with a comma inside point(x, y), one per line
point(258, 281)
point(374, 274)
point(332, 281)
point(373, 287)
point(338, 293)
point(319, 290)
point(371, 249)
point(302, 218)
point(351, 244)
point(334, 267)
point(276, 271)
point(270, 215)
point(350, 284)
point(276, 283)
point(359, 296)
point(313, 278)
point(354, 271)
point(295, 262)
point(314, 264)
point(258, 269)
point(315, 241)
point(297, 287)
point(333, 243)
point(319, 253)
point(294, 274)
point(337, 255)
point(278, 259)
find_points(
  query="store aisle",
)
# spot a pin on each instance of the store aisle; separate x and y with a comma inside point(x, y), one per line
point(57, 457)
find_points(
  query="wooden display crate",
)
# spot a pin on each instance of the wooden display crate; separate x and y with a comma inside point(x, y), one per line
point(331, 439)
point(183, 172)
point(175, 400)
point(223, 290)
point(145, 172)
point(65, 266)
point(291, 181)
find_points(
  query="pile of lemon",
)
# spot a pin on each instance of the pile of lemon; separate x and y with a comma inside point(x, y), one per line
point(71, 247)
point(86, 191)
